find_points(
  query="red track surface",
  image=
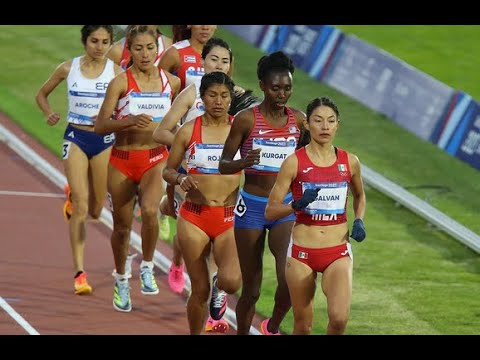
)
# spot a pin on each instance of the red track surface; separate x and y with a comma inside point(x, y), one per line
point(36, 276)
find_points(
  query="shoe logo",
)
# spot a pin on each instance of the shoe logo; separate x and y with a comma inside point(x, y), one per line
point(307, 169)
point(344, 253)
point(261, 132)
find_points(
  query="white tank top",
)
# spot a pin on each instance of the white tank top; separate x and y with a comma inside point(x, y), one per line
point(85, 96)
point(196, 110)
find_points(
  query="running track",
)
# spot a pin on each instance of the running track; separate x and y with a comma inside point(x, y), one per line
point(36, 278)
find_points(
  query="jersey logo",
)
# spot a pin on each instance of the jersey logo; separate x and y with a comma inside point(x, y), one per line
point(261, 132)
point(71, 134)
point(307, 169)
point(74, 85)
point(189, 59)
point(302, 255)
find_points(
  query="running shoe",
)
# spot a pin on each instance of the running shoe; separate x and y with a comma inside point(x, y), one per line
point(81, 285)
point(164, 227)
point(147, 281)
point(176, 279)
point(68, 205)
point(121, 296)
point(137, 210)
point(220, 326)
point(264, 328)
point(218, 302)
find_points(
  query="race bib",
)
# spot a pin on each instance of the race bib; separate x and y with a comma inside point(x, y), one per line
point(273, 153)
point(240, 207)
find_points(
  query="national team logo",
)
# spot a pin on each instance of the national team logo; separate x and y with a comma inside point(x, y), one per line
point(302, 255)
point(342, 167)
point(189, 59)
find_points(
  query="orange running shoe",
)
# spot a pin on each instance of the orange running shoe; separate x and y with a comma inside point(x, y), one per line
point(218, 326)
point(81, 285)
point(68, 205)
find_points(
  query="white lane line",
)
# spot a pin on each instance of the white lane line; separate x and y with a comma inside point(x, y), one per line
point(28, 193)
point(20, 320)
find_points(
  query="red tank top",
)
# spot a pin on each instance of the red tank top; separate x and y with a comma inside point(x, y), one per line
point(276, 143)
point(191, 69)
point(203, 158)
point(330, 206)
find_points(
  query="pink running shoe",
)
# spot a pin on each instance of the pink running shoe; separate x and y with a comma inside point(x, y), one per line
point(264, 329)
point(176, 280)
point(218, 326)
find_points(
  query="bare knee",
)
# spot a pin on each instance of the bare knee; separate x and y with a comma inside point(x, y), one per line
point(80, 210)
point(337, 322)
point(200, 292)
point(302, 327)
point(149, 212)
point(249, 296)
point(230, 283)
point(122, 233)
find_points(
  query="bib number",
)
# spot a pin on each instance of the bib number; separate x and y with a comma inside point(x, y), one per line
point(240, 207)
point(66, 149)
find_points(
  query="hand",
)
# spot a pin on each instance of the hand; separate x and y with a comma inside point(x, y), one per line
point(53, 118)
point(187, 183)
point(308, 196)
point(358, 230)
point(252, 158)
point(142, 120)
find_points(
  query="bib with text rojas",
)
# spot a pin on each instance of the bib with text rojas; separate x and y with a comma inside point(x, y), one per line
point(155, 104)
point(272, 153)
point(205, 158)
point(331, 198)
point(85, 106)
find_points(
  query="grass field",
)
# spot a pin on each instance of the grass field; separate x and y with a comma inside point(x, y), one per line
point(409, 278)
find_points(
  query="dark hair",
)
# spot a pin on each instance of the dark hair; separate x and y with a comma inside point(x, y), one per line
point(134, 30)
point(275, 62)
point(312, 105)
point(129, 27)
point(181, 32)
point(87, 30)
point(131, 33)
point(213, 78)
point(211, 43)
point(243, 101)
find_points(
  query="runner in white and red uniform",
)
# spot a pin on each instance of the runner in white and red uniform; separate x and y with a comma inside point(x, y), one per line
point(205, 221)
point(138, 98)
